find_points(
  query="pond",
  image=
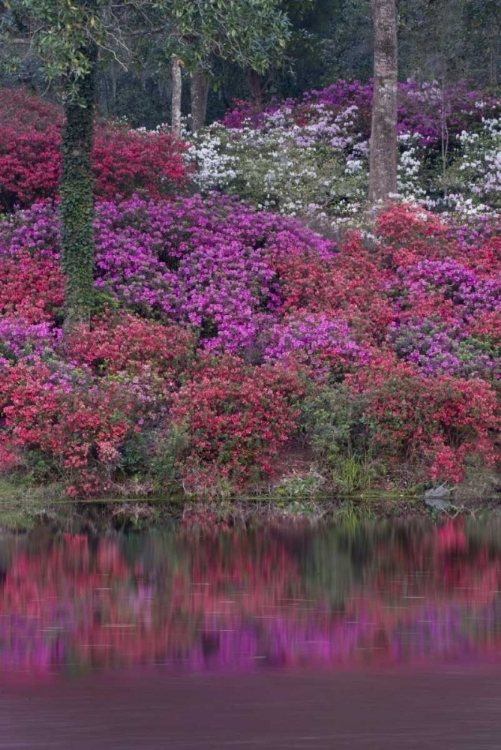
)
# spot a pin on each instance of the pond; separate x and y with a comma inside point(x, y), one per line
point(297, 636)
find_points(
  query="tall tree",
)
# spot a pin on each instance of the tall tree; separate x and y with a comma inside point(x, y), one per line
point(383, 145)
point(68, 36)
point(177, 92)
point(250, 33)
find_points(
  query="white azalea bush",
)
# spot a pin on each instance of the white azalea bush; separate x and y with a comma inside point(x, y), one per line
point(475, 177)
point(285, 167)
point(310, 158)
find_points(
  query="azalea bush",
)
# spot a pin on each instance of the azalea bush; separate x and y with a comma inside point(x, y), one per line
point(235, 419)
point(440, 423)
point(128, 344)
point(309, 157)
point(209, 265)
point(478, 167)
point(124, 161)
point(58, 421)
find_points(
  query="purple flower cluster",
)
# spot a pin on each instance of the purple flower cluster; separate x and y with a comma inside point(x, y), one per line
point(443, 349)
point(202, 263)
point(214, 265)
point(424, 108)
point(455, 282)
point(20, 338)
point(36, 230)
point(317, 340)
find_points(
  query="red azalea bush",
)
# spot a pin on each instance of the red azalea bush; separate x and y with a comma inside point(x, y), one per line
point(444, 420)
point(487, 326)
point(31, 287)
point(125, 161)
point(235, 419)
point(351, 285)
point(408, 234)
point(129, 344)
point(58, 420)
point(76, 417)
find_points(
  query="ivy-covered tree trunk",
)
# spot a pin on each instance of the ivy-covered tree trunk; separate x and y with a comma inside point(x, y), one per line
point(76, 206)
point(199, 89)
point(383, 146)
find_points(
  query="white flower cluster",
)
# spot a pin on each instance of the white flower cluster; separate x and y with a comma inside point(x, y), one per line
point(410, 167)
point(478, 170)
point(317, 166)
point(283, 166)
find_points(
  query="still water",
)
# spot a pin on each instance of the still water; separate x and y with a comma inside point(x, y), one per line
point(382, 636)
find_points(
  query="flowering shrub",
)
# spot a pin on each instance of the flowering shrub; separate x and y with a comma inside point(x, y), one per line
point(441, 348)
point(235, 418)
point(423, 108)
point(31, 287)
point(217, 316)
point(128, 344)
point(20, 338)
point(284, 167)
point(486, 326)
point(313, 153)
point(323, 344)
point(338, 287)
point(125, 161)
point(58, 419)
point(30, 277)
point(205, 264)
point(479, 166)
point(444, 420)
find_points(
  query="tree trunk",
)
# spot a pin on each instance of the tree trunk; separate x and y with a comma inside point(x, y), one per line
point(199, 89)
point(383, 146)
point(76, 207)
point(177, 90)
point(255, 87)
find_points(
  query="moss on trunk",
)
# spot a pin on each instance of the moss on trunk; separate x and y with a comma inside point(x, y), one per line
point(76, 197)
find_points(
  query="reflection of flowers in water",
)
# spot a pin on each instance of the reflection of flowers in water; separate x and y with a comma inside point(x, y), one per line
point(246, 601)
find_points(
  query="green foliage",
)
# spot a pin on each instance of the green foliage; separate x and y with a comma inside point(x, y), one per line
point(250, 33)
point(299, 486)
point(164, 466)
point(332, 422)
point(62, 32)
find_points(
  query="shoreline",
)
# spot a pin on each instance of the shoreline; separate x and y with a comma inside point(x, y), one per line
point(26, 509)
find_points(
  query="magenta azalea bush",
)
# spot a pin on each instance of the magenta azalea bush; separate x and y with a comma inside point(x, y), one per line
point(204, 264)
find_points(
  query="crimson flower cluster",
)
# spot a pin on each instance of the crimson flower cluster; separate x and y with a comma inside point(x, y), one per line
point(124, 161)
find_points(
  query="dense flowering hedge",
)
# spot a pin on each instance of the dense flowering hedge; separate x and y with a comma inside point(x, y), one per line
point(443, 422)
point(125, 161)
point(217, 324)
point(309, 157)
point(422, 108)
point(236, 418)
